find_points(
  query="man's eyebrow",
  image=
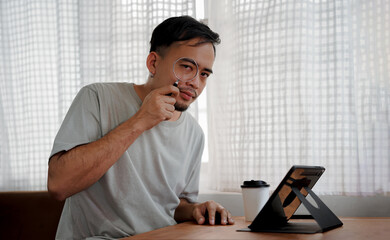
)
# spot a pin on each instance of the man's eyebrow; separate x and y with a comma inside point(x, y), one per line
point(208, 70)
point(190, 61)
point(193, 62)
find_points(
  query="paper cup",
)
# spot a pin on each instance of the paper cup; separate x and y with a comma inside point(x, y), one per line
point(255, 194)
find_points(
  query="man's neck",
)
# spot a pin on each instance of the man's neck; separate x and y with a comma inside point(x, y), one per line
point(142, 91)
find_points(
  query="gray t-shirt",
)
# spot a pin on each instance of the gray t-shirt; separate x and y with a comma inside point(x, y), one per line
point(141, 191)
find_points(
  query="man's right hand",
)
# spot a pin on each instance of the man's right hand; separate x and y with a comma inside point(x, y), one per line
point(158, 106)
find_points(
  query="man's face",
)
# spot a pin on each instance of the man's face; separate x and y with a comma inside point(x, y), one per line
point(202, 53)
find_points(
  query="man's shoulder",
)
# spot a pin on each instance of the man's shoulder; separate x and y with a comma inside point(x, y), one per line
point(102, 89)
point(105, 86)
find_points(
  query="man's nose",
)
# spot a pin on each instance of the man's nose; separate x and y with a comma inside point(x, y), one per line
point(194, 82)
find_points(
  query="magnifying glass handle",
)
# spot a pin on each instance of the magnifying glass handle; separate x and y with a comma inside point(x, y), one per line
point(176, 85)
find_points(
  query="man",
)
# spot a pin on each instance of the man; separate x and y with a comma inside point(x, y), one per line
point(127, 157)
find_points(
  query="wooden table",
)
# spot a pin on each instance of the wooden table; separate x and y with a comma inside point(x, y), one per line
point(353, 228)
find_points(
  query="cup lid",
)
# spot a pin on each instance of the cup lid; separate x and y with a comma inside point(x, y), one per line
point(254, 184)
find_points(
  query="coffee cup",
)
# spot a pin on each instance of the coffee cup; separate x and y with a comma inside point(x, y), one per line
point(255, 194)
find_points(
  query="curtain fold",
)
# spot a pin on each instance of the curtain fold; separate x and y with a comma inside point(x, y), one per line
point(301, 82)
point(48, 51)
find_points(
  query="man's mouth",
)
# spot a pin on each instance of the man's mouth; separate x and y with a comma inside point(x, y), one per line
point(187, 94)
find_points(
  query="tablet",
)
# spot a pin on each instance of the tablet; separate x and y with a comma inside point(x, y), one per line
point(286, 199)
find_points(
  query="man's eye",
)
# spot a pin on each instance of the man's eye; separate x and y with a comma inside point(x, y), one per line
point(187, 67)
point(206, 75)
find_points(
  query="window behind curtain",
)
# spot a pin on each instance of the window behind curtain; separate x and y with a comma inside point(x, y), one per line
point(48, 51)
point(301, 82)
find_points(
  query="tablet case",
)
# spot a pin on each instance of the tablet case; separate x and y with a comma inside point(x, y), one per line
point(270, 218)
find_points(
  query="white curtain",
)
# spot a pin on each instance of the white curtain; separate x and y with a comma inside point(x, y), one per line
point(301, 82)
point(296, 82)
point(50, 49)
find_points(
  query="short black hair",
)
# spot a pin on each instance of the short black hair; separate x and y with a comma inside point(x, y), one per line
point(181, 28)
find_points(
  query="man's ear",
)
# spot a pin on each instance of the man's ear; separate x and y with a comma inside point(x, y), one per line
point(151, 62)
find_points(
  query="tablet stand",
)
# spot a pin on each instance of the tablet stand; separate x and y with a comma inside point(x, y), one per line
point(324, 217)
point(271, 221)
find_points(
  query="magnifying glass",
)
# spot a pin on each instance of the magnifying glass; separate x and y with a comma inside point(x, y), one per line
point(185, 70)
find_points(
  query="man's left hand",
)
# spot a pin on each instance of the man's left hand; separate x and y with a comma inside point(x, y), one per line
point(208, 211)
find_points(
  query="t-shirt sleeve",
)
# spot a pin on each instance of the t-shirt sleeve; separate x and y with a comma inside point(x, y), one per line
point(81, 124)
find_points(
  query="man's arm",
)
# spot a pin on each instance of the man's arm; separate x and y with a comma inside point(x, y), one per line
point(75, 170)
point(197, 211)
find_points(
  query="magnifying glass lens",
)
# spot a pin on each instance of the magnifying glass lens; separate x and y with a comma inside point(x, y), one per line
point(185, 69)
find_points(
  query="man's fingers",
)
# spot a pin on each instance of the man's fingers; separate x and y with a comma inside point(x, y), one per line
point(170, 107)
point(229, 218)
point(169, 90)
point(211, 216)
point(213, 208)
point(221, 216)
point(212, 213)
point(200, 219)
point(224, 216)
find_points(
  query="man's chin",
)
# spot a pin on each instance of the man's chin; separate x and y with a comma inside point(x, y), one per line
point(181, 107)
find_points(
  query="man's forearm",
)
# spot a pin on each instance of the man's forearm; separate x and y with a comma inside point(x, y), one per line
point(75, 170)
